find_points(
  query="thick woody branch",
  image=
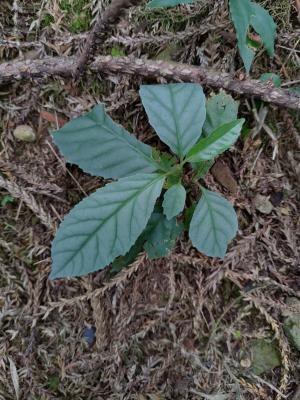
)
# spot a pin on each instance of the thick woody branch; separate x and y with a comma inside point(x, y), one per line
point(63, 66)
point(102, 27)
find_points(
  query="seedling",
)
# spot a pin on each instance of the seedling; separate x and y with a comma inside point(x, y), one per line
point(143, 209)
point(245, 14)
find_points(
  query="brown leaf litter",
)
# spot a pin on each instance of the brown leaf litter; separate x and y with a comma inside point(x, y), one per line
point(174, 328)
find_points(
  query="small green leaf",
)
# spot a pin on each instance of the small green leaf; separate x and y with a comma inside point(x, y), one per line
point(201, 168)
point(220, 109)
point(167, 3)
point(217, 142)
point(104, 225)
point(7, 199)
point(291, 323)
point(246, 13)
point(177, 113)
point(164, 161)
point(271, 77)
point(117, 52)
point(162, 236)
point(174, 201)
point(265, 356)
point(295, 90)
point(101, 147)
point(188, 214)
point(213, 225)
point(123, 261)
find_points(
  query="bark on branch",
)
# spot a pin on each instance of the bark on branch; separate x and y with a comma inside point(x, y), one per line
point(102, 27)
point(63, 66)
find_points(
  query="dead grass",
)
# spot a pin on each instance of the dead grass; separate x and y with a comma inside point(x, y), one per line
point(176, 328)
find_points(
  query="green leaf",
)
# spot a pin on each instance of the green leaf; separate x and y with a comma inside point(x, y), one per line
point(271, 77)
point(265, 356)
point(117, 52)
point(162, 236)
point(295, 90)
point(219, 141)
point(201, 168)
point(291, 323)
point(101, 147)
point(244, 14)
point(220, 109)
point(177, 113)
point(167, 3)
point(104, 225)
point(164, 161)
point(213, 225)
point(174, 201)
point(123, 261)
point(7, 199)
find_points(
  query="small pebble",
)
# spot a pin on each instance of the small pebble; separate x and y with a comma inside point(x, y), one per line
point(90, 335)
point(263, 204)
point(24, 133)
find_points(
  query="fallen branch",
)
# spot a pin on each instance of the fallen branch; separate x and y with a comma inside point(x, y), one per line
point(104, 22)
point(63, 66)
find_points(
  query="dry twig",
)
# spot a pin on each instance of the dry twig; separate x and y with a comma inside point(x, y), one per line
point(64, 66)
point(103, 25)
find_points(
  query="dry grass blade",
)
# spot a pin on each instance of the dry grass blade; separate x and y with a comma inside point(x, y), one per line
point(20, 193)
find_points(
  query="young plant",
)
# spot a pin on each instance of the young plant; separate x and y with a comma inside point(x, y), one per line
point(244, 14)
point(119, 220)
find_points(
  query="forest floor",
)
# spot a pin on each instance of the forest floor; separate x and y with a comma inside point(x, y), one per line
point(182, 327)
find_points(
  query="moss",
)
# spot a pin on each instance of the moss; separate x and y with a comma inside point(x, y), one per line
point(78, 16)
point(47, 20)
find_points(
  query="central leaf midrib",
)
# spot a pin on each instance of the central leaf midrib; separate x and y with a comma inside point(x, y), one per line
point(119, 136)
point(210, 211)
point(136, 194)
point(179, 144)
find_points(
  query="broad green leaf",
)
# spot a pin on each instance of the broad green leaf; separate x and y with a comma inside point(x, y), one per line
point(213, 225)
point(269, 76)
point(217, 142)
point(177, 113)
point(246, 13)
point(104, 225)
point(265, 26)
point(201, 168)
point(220, 109)
point(162, 236)
point(101, 147)
point(167, 3)
point(174, 201)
